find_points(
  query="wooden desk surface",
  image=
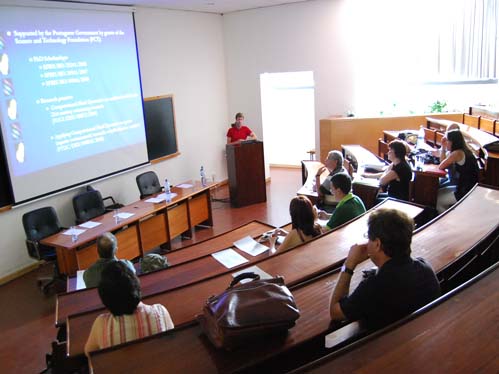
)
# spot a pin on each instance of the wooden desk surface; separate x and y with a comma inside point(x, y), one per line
point(183, 261)
point(297, 265)
point(457, 336)
point(440, 243)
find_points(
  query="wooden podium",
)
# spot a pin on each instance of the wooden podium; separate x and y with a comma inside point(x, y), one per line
point(246, 170)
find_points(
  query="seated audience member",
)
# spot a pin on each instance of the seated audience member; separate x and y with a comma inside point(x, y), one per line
point(129, 318)
point(451, 178)
point(397, 176)
point(400, 286)
point(466, 169)
point(303, 223)
point(153, 262)
point(107, 245)
point(349, 205)
point(334, 164)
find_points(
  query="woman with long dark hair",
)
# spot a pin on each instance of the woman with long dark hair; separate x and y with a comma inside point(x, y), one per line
point(303, 221)
point(466, 167)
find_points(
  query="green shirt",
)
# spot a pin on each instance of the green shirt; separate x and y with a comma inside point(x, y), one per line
point(348, 208)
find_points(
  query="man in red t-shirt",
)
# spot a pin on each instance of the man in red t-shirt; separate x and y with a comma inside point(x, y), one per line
point(238, 131)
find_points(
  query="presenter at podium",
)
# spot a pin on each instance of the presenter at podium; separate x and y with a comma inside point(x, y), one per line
point(238, 131)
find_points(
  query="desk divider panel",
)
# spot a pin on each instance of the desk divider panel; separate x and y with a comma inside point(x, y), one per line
point(85, 257)
point(153, 231)
point(128, 239)
point(199, 209)
point(178, 220)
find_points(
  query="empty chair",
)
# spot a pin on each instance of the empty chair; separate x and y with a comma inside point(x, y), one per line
point(112, 205)
point(148, 184)
point(39, 224)
point(88, 205)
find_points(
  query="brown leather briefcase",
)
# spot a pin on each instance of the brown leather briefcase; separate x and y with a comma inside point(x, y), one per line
point(248, 311)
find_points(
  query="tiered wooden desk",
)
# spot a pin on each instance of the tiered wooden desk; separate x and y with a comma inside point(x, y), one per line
point(480, 140)
point(457, 335)
point(150, 226)
point(446, 240)
point(187, 265)
point(315, 257)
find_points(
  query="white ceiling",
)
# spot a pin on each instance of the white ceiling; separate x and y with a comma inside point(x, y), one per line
point(211, 6)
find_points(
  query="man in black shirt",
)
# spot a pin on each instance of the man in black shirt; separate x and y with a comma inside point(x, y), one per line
point(400, 286)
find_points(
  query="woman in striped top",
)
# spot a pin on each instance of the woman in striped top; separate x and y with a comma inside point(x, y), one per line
point(130, 319)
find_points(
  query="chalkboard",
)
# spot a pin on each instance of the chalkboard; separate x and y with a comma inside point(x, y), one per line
point(160, 127)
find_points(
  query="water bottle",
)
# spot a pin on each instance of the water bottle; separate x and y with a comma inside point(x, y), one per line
point(168, 192)
point(420, 141)
point(74, 237)
point(203, 176)
point(117, 218)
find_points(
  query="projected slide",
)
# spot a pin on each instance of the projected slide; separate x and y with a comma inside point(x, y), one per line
point(70, 91)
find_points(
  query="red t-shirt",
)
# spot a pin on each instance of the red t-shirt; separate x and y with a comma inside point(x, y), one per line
point(238, 134)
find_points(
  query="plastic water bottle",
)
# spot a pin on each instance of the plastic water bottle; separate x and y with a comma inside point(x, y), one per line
point(203, 176)
point(420, 141)
point(117, 218)
point(168, 191)
point(74, 237)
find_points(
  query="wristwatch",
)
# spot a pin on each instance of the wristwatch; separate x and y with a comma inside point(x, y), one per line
point(344, 269)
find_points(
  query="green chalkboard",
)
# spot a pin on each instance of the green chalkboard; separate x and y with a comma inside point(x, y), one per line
point(161, 133)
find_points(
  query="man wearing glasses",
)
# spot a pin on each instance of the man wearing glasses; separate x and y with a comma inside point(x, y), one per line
point(400, 286)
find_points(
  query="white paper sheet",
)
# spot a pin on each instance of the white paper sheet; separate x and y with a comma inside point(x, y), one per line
point(250, 246)
point(90, 224)
point(323, 222)
point(74, 231)
point(124, 215)
point(229, 258)
point(80, 283)
point(253, 269)
point(155, 200)
point(162, 196)
point(184, 185)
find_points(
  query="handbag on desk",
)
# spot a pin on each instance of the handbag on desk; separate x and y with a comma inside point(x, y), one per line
point(247, 311)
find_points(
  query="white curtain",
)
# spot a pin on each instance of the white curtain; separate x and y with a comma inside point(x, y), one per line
point(468, 41)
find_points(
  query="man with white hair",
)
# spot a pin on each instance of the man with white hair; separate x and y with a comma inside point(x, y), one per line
point(333, 163)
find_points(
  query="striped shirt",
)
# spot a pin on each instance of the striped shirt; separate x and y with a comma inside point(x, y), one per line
point(145, 321)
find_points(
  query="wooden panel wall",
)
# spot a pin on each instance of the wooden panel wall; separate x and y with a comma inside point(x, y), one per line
point(366, 131)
